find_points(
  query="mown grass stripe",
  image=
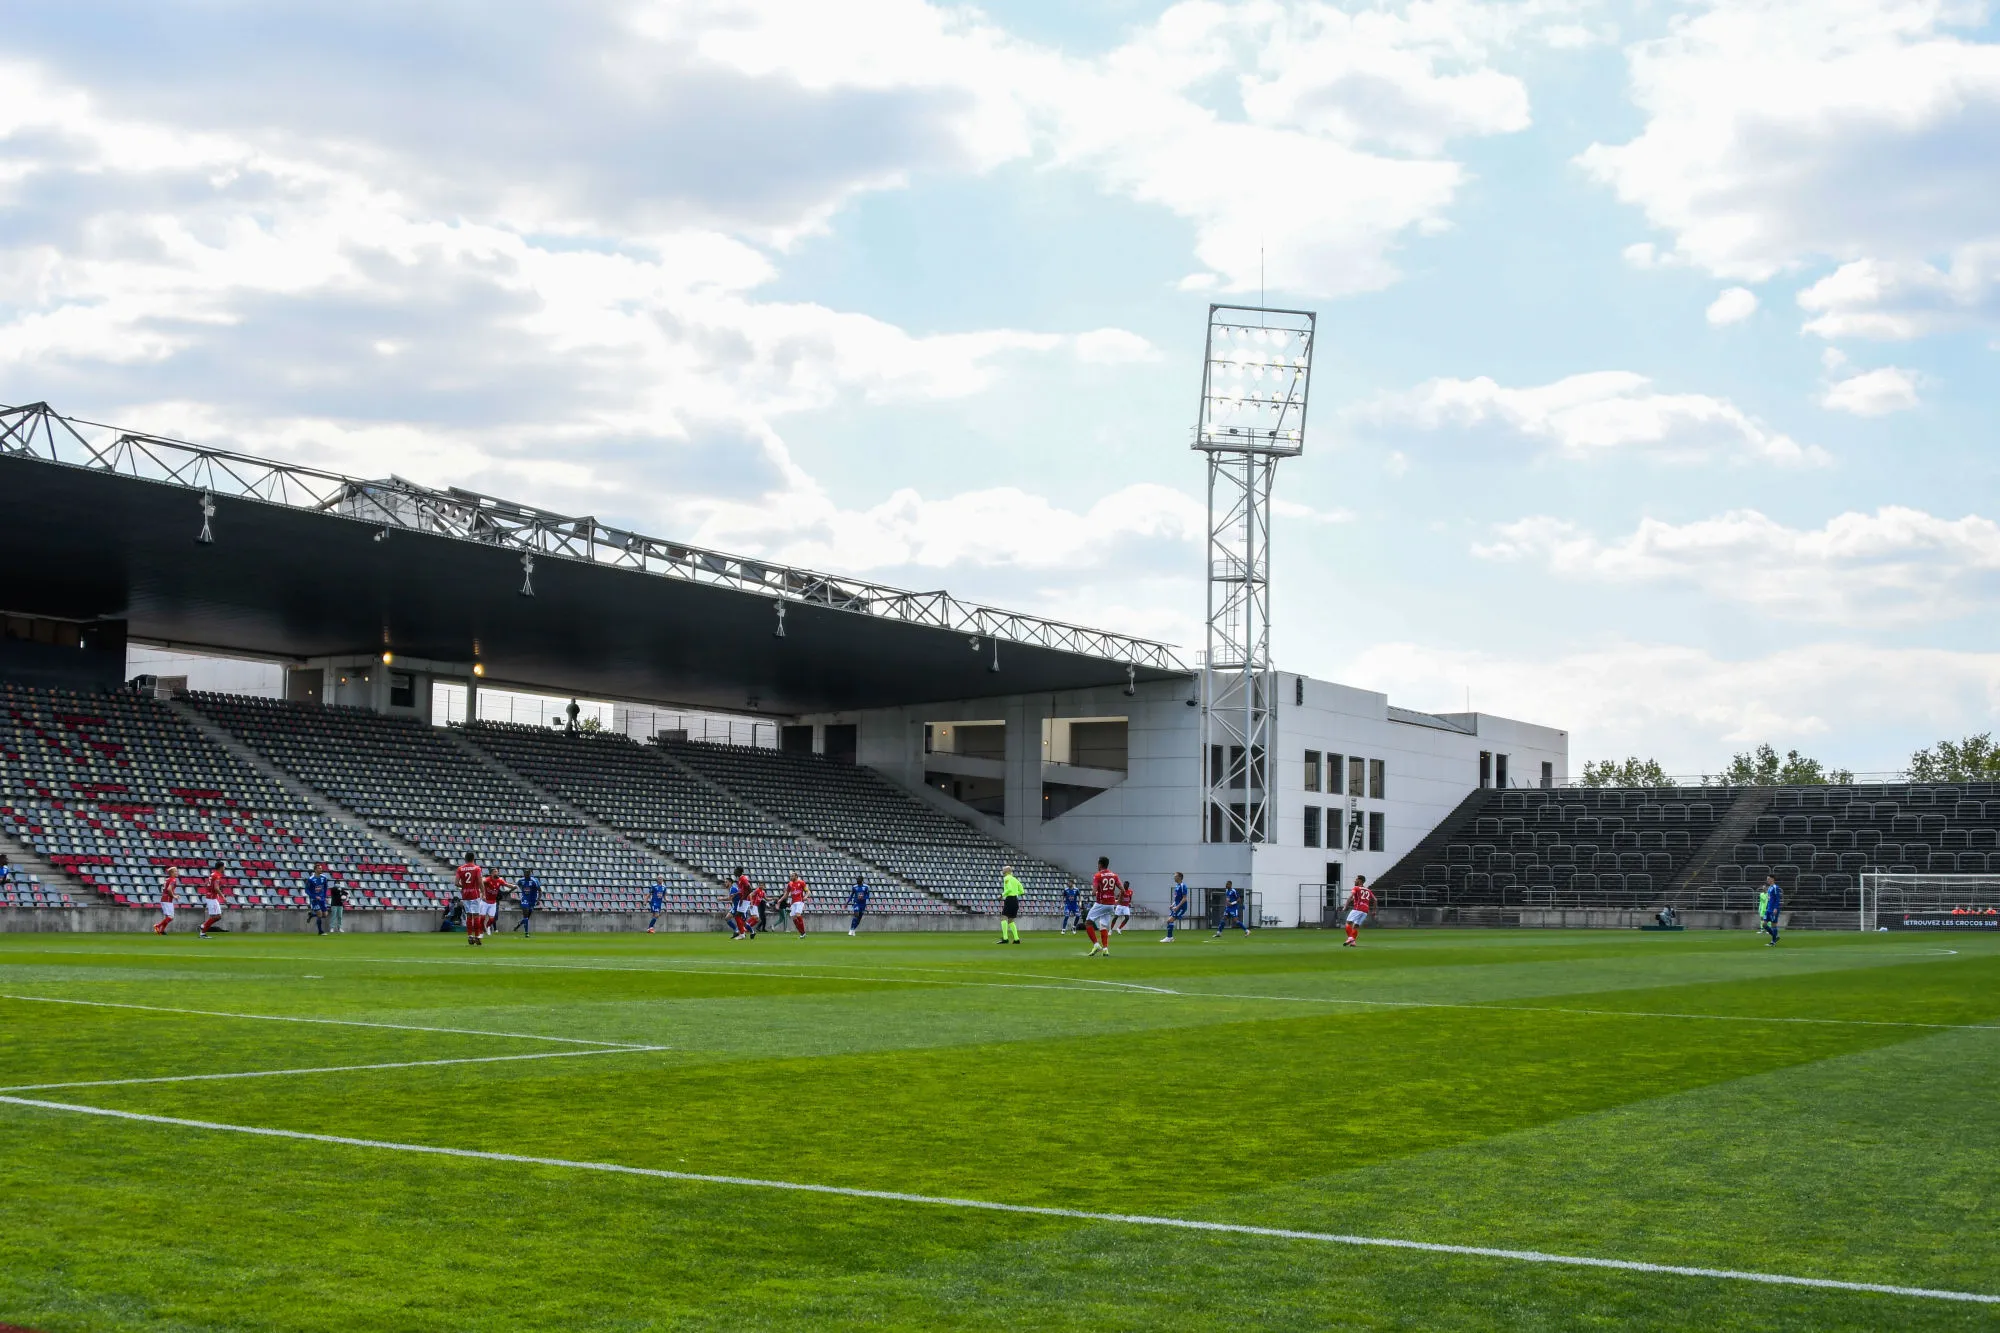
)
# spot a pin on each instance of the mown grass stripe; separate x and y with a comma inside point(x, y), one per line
point(330, 1069)
point(335, 1022)
point(1074, 1214)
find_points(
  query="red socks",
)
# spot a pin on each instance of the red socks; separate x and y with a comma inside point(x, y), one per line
point(1350, 934)
point(800, 922)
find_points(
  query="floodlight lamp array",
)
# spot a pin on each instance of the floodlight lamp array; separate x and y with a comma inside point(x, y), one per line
point(1255, 381)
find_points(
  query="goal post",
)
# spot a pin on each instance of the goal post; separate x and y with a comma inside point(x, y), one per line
point(1901, 900)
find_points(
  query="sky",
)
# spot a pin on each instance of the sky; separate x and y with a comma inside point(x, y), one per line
point(1658, 363)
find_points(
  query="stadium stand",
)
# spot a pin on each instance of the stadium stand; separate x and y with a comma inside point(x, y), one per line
point(864, 815)
point(1819, 840)
point(113, 790)
point(1565, 847)
point(417, 782)
point(635, 790)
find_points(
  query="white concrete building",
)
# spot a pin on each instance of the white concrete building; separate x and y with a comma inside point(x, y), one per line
point(1072, 776)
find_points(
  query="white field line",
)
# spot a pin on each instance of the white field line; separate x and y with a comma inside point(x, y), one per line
point(331, 1069)
point(334, 1022)
point(983, 1205)
point(1085, 984)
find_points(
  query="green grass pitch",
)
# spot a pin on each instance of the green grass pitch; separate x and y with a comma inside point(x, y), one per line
point(1825, 1109)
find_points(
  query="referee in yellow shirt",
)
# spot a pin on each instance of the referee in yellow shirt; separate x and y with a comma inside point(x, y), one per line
point(1010, 906)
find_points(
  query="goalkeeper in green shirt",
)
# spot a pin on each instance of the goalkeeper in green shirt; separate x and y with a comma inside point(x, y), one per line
point(1010, 906)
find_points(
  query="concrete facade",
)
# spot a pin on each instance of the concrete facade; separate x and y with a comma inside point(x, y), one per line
point(1149, 818)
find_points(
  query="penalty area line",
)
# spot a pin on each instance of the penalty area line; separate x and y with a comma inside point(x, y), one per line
point(334, 1022)
point(1031, 1210)
point(332, 1069)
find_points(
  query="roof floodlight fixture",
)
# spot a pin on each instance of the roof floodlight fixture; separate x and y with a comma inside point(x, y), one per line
point(207, 534)
point(527, 574)
point(1266, 356)
point(779, 633)
point(995, 665)
point(1131, 679)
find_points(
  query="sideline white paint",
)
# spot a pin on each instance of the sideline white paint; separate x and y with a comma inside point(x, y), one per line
point(330, 1069)
point(1075, 1214)
point(334, 1022)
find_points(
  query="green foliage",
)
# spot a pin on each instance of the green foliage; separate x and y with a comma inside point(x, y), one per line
point(1762, 767)
point(1633, 772)
point(1563, 1096)
point(1974, 759)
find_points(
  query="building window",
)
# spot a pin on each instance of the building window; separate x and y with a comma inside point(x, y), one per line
point(1378, 779)
point(1374, 830)
point(1356, 830)
point(1299, 691)
point(1357, 775)
point(1548, 775)
point(1336, 773)
point(1485, 768)
point(1499, 770)
point(1312, 826)
point(1312, 770)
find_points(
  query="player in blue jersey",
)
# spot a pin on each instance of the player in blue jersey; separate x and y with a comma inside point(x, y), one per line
point(528, 889)
point(1072, 908)
point(319, 893)
point(1177, 905)
point(1772, 901)
point(857, 903)
point(1232, 909)
point(656, 903)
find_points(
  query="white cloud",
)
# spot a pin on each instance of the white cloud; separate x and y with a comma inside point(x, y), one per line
point(1131, 560)
point(1778, 131)
point(1894, 299)
point(1874, 393)
point(1301, 141)
point(1849, 704)
point(1733, 306)
point(1599, 414)
point(1895, 566)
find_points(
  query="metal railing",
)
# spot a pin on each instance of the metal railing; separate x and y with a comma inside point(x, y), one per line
point(37, 431)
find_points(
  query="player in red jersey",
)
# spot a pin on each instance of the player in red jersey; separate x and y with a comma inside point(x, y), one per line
point(1360, 902)
point(757, 909)
point(168, 895)
point(795, 894)
point(491, 887)
point(1122, 914)
point(211, 899)
point(470, 879)
point(1103, 908)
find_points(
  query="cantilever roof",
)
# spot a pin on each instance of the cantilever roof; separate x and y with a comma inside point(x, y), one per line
point(308, 563)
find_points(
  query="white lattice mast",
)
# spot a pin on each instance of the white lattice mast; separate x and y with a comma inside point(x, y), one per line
point(1254, 381)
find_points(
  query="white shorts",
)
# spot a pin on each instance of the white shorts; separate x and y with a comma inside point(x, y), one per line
point(489, 909)
point(166, 909)
point(1100, 914)
point(1356, 916)
point(798, 909)
point(1123, 910)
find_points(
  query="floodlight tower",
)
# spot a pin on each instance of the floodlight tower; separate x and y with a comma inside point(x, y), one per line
point(1253, 413)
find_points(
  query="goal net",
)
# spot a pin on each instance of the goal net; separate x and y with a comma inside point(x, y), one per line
point(1891, 901)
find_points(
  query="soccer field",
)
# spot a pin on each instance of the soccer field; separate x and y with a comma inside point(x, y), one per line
point(1824, 1110)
